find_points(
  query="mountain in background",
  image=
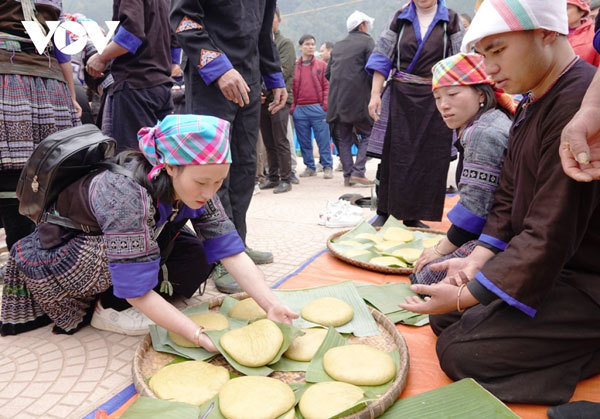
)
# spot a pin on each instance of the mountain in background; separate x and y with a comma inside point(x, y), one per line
point(324, 19)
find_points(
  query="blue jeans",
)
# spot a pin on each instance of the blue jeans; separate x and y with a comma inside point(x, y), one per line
point(305, 118)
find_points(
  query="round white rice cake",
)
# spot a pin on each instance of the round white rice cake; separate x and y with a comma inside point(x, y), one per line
point(327, 399)
point(410, 255)
point(253, 397)
point(210, 320)
point(328, 311)
point(193, 382)
point(387, 261)
point(303, 348)
point(398, 234)
point(254, 345)
point(247, 309)
point(361, 365)
point(352, 253)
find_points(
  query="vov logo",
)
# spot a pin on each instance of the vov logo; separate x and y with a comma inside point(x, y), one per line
point(85, 30)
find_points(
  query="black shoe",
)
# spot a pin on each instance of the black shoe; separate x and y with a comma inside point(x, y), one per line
point(379, 221)
point(415, 223)
point(283, 187)
point(268, 184)
point(293, 179)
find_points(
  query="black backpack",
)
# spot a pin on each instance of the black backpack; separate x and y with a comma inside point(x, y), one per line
point(59, 160)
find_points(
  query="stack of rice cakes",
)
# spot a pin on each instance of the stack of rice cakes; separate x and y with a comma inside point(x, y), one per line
point(393, 246)
point(257, 344)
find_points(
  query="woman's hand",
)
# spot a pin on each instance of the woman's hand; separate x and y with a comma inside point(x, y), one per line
point(205, 342)
point(281, 313)
point(427, 256)
point(442, 299)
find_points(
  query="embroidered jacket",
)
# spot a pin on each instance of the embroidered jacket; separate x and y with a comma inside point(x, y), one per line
point(129, 221)
point(484, 143)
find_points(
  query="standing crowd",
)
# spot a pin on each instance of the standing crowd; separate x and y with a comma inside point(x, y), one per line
point(513, 94)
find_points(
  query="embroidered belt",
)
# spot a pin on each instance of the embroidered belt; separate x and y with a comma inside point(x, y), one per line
point(408, 78)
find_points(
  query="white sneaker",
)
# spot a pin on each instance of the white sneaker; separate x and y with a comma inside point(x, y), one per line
point(342, 218)
point(333, 207)
point(256, 190)
point(127, 322)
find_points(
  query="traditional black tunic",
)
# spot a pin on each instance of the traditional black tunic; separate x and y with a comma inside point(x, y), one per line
point(416, 151)
point(536, 333)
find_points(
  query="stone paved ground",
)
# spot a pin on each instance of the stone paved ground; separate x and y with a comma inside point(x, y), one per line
point(59, 376)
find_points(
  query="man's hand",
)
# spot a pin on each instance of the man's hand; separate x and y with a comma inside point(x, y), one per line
point(460, 270)
point(580, 145)
point(96, 65)
point(280, 96)
point(176, 70)
point(282, 314)
point(442, 299)
point(234, 87)
point(375, 107)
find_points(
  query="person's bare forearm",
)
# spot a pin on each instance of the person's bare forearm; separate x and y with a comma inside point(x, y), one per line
point(378, 82)
point(67, 72)
point(592, 96)
point(112, 51)
point(481, 255)
point(164, 314)
point(250, 279)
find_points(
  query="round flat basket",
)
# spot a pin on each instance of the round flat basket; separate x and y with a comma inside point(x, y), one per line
point(147, 362)
point(370, 266)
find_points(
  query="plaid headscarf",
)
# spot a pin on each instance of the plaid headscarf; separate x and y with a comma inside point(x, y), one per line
point(500, 16)
point(467, 70)
point(181, 140)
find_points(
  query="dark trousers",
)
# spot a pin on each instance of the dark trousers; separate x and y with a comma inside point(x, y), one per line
point(187, 268)
point(522, 359)
point(16, 226)
point(237, 189)
point(346, 133)
point(274, 133)
point(132, 109)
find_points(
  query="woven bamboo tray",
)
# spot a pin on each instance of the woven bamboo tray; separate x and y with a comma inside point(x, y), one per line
point(147, 362)
point(370, 266)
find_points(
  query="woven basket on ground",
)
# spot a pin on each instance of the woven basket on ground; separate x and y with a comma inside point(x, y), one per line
point(147, 362)
point(371, 266)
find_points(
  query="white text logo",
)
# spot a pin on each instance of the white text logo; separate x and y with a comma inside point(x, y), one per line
point(86, 30)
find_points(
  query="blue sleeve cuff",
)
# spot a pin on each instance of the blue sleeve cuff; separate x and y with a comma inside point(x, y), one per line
point(379, 63)
point(273, 81)
point(215, 69)
point(127, 40)
point(175, 55)
point(461, 217)
point(132, 280)
point(61, 57)
point(229, 244)
point(492, 241)
point(596, 42)
point(531, 312)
